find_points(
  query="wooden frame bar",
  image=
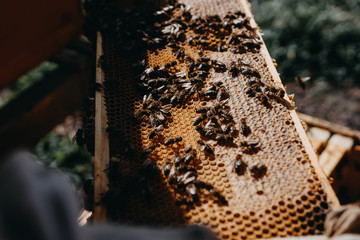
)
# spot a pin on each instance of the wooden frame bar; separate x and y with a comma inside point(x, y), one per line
point(101, 155)
point(299, 128)
point(332, 127)
point(102, 142)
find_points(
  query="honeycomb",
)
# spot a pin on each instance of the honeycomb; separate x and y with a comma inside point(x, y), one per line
point(287, 200)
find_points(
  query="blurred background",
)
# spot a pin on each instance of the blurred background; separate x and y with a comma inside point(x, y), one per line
point(321, 40)
point(317, 39)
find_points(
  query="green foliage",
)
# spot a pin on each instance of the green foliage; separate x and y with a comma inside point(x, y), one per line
point(320, 38)
point(59, 152)
point(27, 80)
point(54, 151)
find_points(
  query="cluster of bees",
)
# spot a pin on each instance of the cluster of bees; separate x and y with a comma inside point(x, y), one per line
point(257, 88)
point(182, 176)
point(256, 171)
point(202, 30)
point(168, 86)
point(86, 134)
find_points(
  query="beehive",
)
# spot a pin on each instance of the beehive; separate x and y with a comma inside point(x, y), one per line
point(290, 199)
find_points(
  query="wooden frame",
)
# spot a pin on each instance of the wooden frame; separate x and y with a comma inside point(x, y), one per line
point(332, 127)
point(102, 142)
point(299, 128)
point(101, 154)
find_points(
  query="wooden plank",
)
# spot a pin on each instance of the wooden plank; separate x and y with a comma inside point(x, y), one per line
point(36, 110)
point(102, 155)
point(318, 138)
point(334, 201)
point(318, 237)
point(32, 31)
point(333, 127)
point(336, 148)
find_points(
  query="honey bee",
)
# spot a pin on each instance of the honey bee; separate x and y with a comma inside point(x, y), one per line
point(281, 93)
point(258, 171)
point(172, 176)
point(224, 138)
point(102, 63)
point(191, 66)
point(201, 130)
point(152, 134)
point(199, 119)
point(250, 72)
point(165, 111)
point(189, 59)
point(98, 86)
point(203, 67)
point(274, 91)
point(188, 148)
point(190, 156)
point(204, 185)
point(228, 129)
point(201, 110)
point(302, 81)
point(148, 70)
point(205, 147)
point(181, 96)
point(244, 128)
point(167, 167)
point(219, 196)
point(186, 178)
point(182, 201)
point(264, 100)
point(239, 22)
point(177, 159)
point(174, 98)
point(180, 36)
point(172, 141)
point(180, 53)
point(172, 45)
point(149, 169)
point(154, 105)
point(222, 94)
point(79, 137)
point(234, 70)
point(146, 151)
point(157, 82)
point(250, 92)
point(218, 66)
point(251, 143)
point(226, 115)
point(192, 192)
point(222, 47)
point(239, 165)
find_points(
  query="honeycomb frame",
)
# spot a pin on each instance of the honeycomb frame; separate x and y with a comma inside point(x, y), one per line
point(290, 200)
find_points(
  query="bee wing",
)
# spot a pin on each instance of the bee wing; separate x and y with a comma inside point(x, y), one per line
point(186, 86)
point(160, 116)
point(305, 79)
